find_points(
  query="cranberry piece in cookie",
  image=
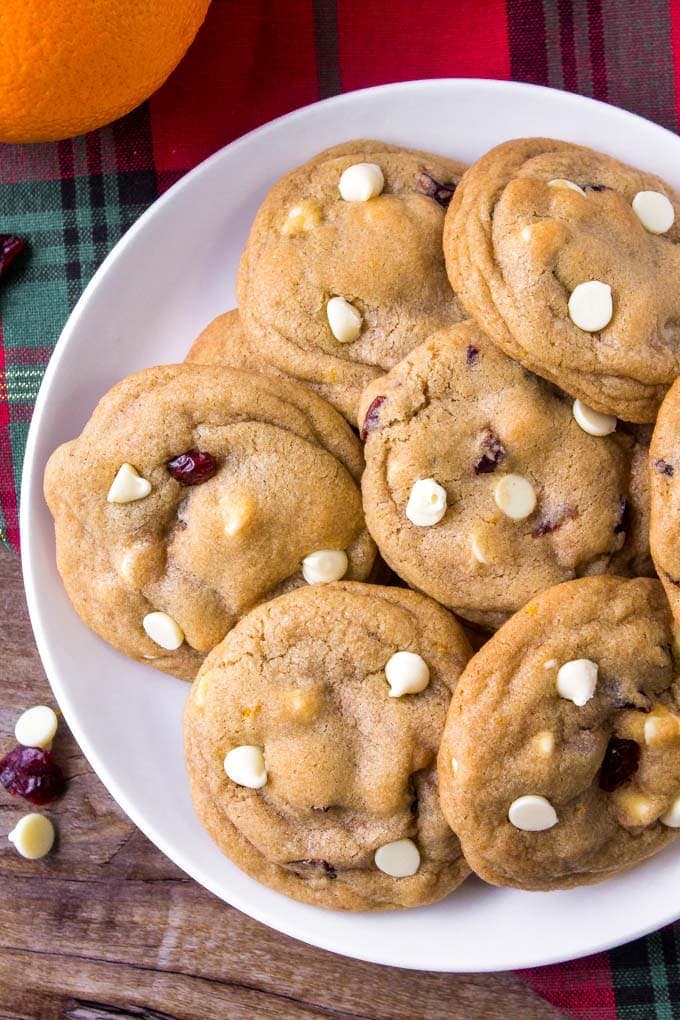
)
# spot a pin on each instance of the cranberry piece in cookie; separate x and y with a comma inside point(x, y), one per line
point(372, 417)
point(621, 761)
point(193, 467)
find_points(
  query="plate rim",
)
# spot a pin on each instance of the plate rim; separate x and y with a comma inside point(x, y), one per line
point(30, 571)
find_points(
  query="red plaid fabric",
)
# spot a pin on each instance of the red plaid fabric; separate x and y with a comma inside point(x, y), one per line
point(254, 60)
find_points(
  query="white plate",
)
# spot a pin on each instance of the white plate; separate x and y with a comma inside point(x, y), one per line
point(171, 273)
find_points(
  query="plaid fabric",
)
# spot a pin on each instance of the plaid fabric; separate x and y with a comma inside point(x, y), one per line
point(252, 61)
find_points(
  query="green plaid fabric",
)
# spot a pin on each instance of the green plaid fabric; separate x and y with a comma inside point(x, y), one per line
point(71, 201)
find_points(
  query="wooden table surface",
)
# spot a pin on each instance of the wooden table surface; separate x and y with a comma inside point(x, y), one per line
point(107, 927)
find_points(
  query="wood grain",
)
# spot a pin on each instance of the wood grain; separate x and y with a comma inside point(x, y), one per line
point(107, 927)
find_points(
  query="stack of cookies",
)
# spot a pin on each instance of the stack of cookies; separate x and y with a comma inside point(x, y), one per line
point(446, 390)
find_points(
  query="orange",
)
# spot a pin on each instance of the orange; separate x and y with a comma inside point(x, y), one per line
point(67, 66)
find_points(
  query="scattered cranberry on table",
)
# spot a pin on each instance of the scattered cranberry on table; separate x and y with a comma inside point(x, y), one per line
point(32, 773)
point(11, 247)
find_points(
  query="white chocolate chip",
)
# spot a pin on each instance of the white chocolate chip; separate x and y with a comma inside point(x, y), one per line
point(651, 730)
point(200, 689)
point(477, 547)
point(407, 673)
point(426, 503)
point(550, 664)
point(344, 320)
point(36, 727)
point(32, 836)
point(237, 515)
point(593, 422)
point(128, 486)
point(532, 813)
point(324, 566)
point(398, 859)
point(301, 217)
point(162, 629)
point(576, 681)
point(654, 210)
point(590, 305)
point(634, 808)
point(562, 182)
point(671, 817)
point(245, 765)
point(515, 496)
point(360, 182)
point(544, 742)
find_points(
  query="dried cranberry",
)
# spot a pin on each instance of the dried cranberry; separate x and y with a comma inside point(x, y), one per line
point(11, 247)
point(371, 417)
point(664, 468)
point(624, 516)
point(472, 355)
point(193, 467)
point(32, 773)
point(440, 191)
point(546, 525)
point(315, 862)
point(494, 455)
point(621, 760)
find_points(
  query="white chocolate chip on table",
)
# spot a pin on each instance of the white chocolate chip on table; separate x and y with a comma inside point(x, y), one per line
point(324, 566)
point(532, 813)
point(427, 503)
point(515, 496)
point(654, 210)
point(128, 486)
point(360, 182)
point(590, 306)
point(398, 859)
point(33, 836)
point(245, 765)
point(407, 673)
point(36, 727)
point(577, 680)
point(163, 630)
point(593, 422)
point(344, 319)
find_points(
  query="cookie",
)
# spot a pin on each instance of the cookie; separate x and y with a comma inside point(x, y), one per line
point(481, 487)
point(664, 476)
point(334, 290)
point(311, 736)
point(224, 342)
point(569, 261)
point(192, 495)
point(560, 761)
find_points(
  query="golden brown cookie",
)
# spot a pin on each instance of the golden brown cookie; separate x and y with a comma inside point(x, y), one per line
point(481, 487)
point(664, 474)
point(334, 290)
point(193, 494)
point(311, 735)
point(560, 762)
point(569, 261)
point(224, 342)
